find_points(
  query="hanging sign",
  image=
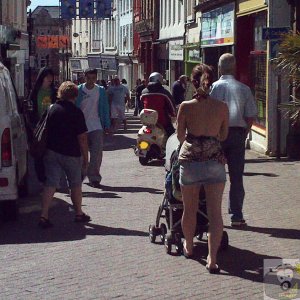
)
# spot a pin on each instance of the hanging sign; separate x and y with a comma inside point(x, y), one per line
point(53, 42)
point(63, 41)
point(218, 26)
point(42, 42)
point(176, 50)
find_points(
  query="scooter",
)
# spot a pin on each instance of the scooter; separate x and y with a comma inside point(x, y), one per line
point(152, 138)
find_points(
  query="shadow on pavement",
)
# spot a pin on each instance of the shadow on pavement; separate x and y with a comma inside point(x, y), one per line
point(118, 142)
point(282, 233)
point(237, 262)
point(26, 231)
point(260, 174)
point(270, 160)
point(127, 189)
point(100, 195)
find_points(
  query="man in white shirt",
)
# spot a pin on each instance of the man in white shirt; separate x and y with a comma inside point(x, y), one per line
point(93, 102)
point(242, 113)
point(118, 95)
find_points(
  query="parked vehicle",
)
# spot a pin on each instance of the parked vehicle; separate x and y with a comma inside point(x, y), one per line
point(152, 138)
point(13, 146)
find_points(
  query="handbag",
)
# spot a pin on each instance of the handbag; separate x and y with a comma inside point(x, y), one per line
point(38, 145)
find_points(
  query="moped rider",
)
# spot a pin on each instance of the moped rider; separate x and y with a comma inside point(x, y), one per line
point(156, 97)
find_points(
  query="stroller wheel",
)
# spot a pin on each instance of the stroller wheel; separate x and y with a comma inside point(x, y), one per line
point(225, 241)
point(168, 243)
point(163, 232)
point(199, 236)
point(152, 233)
point(178, 244)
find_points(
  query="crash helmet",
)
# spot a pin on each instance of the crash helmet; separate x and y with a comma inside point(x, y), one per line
point(156, 77)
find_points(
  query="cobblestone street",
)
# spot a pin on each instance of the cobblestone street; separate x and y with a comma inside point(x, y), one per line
point(112, 258)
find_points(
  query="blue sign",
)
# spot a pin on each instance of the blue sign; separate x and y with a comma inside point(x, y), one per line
point(86, 8)
point(274, 33)
point(68, 9)
point(103, 9)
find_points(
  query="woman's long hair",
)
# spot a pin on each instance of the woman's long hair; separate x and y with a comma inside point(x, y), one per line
point(44, 72)
point(202, 78)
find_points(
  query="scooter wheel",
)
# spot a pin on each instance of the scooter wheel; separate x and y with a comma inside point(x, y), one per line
point(143, 161)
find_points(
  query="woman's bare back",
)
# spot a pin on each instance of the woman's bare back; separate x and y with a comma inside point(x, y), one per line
point(205, 117)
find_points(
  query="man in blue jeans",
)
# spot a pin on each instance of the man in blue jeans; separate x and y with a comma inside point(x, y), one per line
point(242, 113)
point(93, 102)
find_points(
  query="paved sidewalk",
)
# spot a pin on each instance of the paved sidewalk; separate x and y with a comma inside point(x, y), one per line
point(112, 258)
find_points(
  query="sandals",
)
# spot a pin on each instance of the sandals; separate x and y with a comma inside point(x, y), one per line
point(82, 218)
point(213, 270)
point(185, 254)
point(45, 223)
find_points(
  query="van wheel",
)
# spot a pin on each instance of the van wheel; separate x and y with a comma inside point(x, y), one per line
point(9, 210)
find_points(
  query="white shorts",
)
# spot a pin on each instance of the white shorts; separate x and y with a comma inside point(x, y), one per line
point(118, 112)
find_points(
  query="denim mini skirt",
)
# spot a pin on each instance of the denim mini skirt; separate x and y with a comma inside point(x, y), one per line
point(199, 173)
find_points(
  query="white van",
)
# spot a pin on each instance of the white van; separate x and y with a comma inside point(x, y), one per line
point(13, 146)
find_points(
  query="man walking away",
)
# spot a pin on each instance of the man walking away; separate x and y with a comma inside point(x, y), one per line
point(178, 89)
point(93, 102)
point(242, 113)
point(138, 93)
point(118, 95)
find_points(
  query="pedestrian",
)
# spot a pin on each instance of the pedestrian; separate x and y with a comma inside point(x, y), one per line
point(201, 124)
point(178, 89)
point(93, 102)
point(166, 85)
point(242, 113)
point(43, 94)
point(118, 94)
point(41, 97)
point(138, 93)
point(104, 84)
point(127, 102)
point(67, 151)
point(190, 90)
point(156, 97)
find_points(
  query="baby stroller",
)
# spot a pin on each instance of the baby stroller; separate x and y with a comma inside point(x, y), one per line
point(171, 210)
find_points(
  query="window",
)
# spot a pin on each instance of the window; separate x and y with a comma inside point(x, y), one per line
point(74, 50)
point(80, 49)
point(190, 8)
point(86, 47)
point(179, 11)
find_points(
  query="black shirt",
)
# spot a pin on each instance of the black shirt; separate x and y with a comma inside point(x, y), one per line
point(139, 90)
point(65, 123)
point(178, 92)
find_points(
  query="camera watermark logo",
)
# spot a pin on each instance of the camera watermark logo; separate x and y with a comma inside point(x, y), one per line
point(281, 279)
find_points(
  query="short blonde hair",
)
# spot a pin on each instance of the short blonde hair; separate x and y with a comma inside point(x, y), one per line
point(67, 90)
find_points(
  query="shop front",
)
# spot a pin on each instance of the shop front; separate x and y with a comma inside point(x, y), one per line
point(176, 60)
point(217, 34)
point(77, 68)
point(192, 57)
point(163, 59)
point(252, 59)
point(109, 66)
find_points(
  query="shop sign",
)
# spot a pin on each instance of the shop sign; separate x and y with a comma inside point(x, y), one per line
point(75, 64)
point(108, 63)
point(176, 50)
point(218, 26)
point(194, 55)
point(274, 33)
point(7, 34)
point(94, 62)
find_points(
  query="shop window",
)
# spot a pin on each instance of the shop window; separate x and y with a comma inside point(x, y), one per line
point(258, 62)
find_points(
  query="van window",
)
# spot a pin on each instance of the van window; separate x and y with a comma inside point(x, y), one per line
point(11, 92)
point(5, 104)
